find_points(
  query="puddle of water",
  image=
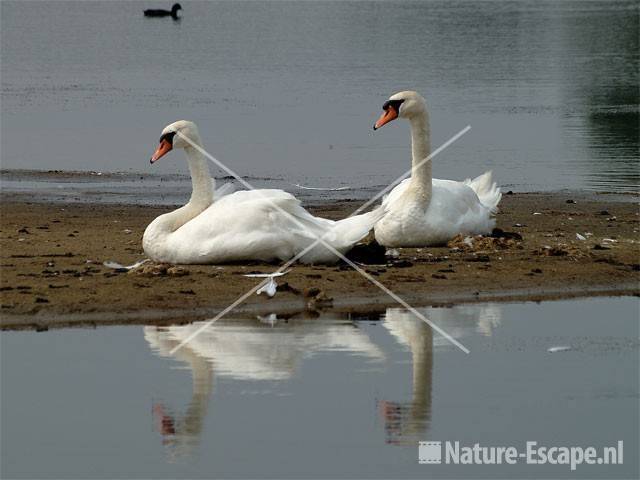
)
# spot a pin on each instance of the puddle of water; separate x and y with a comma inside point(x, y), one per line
point(323, 397)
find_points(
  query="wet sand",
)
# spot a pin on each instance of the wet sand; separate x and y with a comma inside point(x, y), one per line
point(52, 271)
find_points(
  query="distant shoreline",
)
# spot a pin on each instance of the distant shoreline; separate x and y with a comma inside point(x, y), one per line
point(168, 189)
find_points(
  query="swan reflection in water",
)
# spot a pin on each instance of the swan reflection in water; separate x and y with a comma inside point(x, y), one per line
point(406, 423)
point(272, 349)
point(250, 350)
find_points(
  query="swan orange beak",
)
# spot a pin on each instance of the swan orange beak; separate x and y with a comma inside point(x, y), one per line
point(388, 115)
point(164, 148)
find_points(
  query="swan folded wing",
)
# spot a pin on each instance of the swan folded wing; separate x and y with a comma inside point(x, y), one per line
point(455, 208)
point(456, 197)
point(265, 225)
point(351, 230)
point(266, 195)
point(486, 189)
point(304, 229)
point(286, 213)
point(249, 225)
point(396, 192)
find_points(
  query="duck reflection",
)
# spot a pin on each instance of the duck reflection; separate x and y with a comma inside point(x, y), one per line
point(407, 422)
point(265, 348)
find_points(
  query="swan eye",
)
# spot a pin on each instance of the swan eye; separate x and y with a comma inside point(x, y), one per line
point(395, 104)
point(168, 137)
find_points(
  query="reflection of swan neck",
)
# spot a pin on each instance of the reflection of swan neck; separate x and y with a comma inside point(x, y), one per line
point(187, 429)
point(411, 419)
point(422, 357)
point(420, 149)
point(202, 387)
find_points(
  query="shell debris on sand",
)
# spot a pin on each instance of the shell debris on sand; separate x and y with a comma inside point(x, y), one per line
point(122, 268)
point(318, 298)
point(560, 250)
point(159, 270)
point(392, 252)
point(499, 240)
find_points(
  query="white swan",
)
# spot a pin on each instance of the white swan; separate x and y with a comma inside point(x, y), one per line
point(424, 211)
point(246, 225)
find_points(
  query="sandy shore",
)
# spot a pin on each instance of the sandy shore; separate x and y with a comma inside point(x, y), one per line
point(52, 271)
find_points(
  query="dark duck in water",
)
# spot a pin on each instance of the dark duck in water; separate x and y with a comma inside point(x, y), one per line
point(164, 13)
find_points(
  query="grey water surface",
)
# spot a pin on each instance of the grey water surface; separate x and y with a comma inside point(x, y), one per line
point(324, 397)
point(287, 91)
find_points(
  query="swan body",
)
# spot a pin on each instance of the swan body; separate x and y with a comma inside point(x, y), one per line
point(264, 225)
point(454, 207)
point(422, 211)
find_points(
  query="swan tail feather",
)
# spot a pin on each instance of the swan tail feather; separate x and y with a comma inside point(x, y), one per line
point(487, 190)
point(342, 235)
point(347, 232)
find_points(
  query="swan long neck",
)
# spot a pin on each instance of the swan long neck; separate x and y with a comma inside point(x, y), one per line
point(201, 193)
point(202, 186)
point(421, 149)
point(201, 198)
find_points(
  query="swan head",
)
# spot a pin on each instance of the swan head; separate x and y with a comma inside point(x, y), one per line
point(407, 104)
point(173, 136)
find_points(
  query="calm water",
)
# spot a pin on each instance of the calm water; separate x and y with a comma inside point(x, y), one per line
point(289, 90)
point(323, 397)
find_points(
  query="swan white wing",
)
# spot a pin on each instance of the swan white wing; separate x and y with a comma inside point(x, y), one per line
point(244, 225)
point(454, 207)
point(278, 200)
point(263, 225)
point(398, 190)
point(285, 207)
point(487, 190)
